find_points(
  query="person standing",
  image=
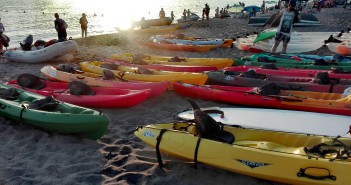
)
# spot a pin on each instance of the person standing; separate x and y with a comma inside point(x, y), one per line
point(162, 14)
point(172, 15)
point(60, 26)
point(287, 17)
point(207, 11)
point(263, 7)
point(188, 13)
point(84, 25)
point(184, 15)
point(254, 11)
point(2, 30)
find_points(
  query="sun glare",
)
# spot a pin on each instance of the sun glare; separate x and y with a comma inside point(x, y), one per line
point(112, 15)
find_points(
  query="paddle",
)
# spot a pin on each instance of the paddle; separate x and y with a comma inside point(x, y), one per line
point(281, 98)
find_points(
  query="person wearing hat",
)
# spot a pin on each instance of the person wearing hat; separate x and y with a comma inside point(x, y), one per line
point(287, 17)
point(60, 26)
point(84, 25)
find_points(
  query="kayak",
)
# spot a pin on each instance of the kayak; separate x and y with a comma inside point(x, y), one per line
point(287, 71)
point(157, 88)
point(103, 97)
point(327, 124)
point(175, 68)
point(193, 41)
point(280, 58)
point(154, 22)
point(176, 47)
point(55, 116)
point(167, 60)
point(42, 55)
point(331, 103)
point(136, 74)
point(346, 68)
point(191, 17)
point(307, 19)
point(256, 152)
point(157, 29)
point(343, 48)
point(336, 57)
point(293, 59)
point(247, 44)
point(230, 79)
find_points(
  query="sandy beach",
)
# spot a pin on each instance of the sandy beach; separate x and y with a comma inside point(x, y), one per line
point(32, 156)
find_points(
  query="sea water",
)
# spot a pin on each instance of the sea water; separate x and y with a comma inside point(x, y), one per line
point(36, 17)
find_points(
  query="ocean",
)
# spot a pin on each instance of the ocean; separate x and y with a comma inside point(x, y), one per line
point(36, 17)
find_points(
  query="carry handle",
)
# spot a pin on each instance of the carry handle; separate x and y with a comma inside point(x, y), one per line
point(80, 77)
point(315, 173)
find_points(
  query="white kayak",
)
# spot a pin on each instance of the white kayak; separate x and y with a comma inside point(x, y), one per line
point(280, 120)
point(300, 42)
point(191, 42)
point(42, 55)
point(192, 17)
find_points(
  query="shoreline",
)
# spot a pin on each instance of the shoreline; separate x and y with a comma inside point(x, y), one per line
point(32, 156)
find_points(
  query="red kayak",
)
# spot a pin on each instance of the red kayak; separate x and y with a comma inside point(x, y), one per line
point(288, 71)
point(331, 103)
point(104, 97)
point(175, 68)
point(229, 78)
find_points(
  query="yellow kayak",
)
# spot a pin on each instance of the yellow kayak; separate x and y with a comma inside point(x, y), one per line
point(285, 157)
point(133, 73)
point(166, 60)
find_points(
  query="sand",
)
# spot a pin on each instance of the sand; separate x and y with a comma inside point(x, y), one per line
point(32, 156)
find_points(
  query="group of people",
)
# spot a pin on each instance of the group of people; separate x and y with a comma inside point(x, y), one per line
point(61, 27)
point(162, 14)
point(221, 13)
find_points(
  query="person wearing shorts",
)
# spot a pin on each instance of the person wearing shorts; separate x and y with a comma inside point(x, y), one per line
point(287, 18)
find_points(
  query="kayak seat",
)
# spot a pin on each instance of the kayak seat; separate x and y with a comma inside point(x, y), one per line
point(207, 127)
point(110, 66)
point(9, 94)
point(49, 103)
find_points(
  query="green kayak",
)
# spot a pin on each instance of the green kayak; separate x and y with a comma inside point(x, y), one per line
point(51, 115)
point(239, 62)
point(278, 58)
point(283, 59)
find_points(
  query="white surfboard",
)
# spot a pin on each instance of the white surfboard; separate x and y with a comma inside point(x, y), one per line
point(281, 120)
